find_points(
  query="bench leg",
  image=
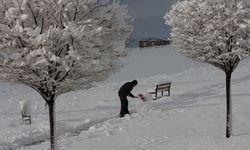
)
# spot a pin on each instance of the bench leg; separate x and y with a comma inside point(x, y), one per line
point(155, 95)
point(30, 120)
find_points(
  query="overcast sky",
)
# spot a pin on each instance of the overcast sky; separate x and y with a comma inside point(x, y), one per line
point(148, 17)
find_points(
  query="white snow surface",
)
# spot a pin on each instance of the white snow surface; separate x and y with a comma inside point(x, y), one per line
point(191, 118)
point(151, 61)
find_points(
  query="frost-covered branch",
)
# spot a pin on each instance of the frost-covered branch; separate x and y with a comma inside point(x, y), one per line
point(59, 42)
point(215, 32)
point(33, 14)
point(57, 46)
point(211, 31)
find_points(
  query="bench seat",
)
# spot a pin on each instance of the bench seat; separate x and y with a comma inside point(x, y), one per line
point(161, 87)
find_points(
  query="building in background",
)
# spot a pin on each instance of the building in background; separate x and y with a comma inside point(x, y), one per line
point(154, 42)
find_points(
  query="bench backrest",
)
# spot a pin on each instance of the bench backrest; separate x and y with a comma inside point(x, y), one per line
point(163, 86)
point(25, 108)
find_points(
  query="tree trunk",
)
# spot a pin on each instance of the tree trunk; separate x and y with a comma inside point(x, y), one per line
point(228, 105)
point(51, 105)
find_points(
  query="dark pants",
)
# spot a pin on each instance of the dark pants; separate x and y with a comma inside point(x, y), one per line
point(124, 105)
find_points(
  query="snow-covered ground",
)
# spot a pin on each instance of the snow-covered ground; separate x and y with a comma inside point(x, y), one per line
point(192, 118)
point(151, 61)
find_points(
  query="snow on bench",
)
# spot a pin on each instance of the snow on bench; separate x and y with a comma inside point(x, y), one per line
point(26, 110)
point(161, 87)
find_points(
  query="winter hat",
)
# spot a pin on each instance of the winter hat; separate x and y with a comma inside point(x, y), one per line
point(134, 82)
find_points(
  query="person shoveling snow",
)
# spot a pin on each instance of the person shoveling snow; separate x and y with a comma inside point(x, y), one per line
point(125, 91)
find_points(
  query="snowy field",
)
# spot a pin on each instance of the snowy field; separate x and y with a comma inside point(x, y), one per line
point(192, 118)
point(151, 61)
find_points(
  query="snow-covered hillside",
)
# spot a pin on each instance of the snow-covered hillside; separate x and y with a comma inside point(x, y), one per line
point(151, 61)
point(193, 117)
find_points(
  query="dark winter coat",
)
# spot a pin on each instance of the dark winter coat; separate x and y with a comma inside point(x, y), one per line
point(126, 89)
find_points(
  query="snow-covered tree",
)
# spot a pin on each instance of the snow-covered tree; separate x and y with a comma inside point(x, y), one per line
point(56, 46)
point(215, 32)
